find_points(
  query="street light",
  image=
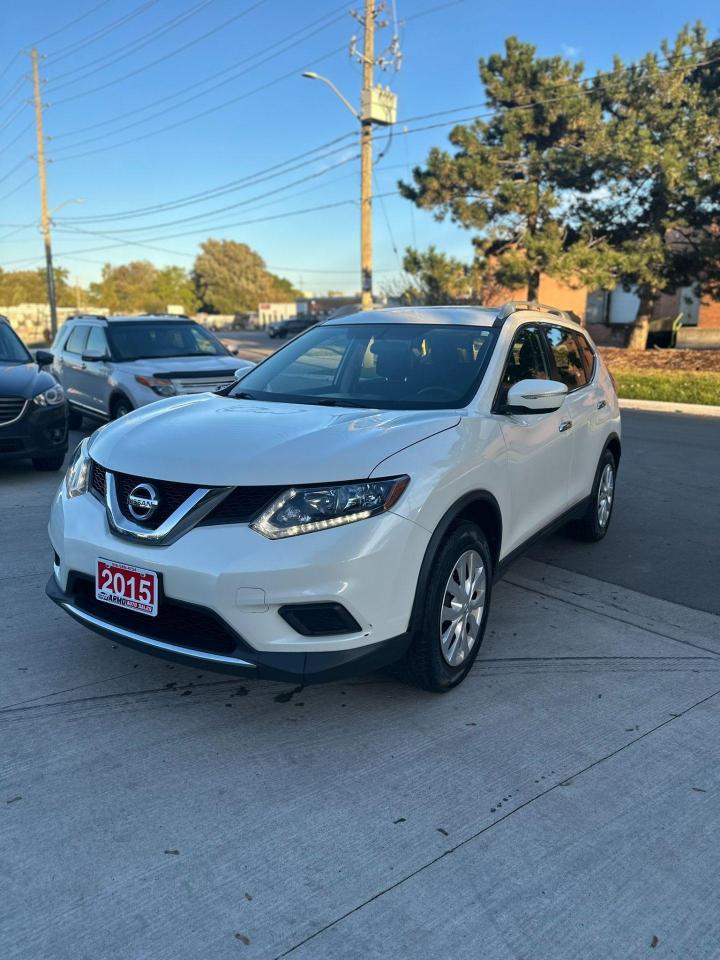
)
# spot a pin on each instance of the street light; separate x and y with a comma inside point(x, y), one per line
point(366, 297)
point(311, 75)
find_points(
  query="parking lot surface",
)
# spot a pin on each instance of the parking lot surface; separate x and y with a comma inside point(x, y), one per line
point(561, 803)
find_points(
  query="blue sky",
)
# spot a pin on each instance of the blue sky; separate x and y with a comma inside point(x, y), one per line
point(204, 111)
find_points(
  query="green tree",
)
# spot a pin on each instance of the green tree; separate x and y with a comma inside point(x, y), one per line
point(30, 286)
point(140, 286)
point(437, 278)
point(230, 277)
point(657, 165)
point(511, 175)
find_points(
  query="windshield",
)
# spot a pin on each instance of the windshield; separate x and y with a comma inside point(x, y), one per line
point(12, 349)
point(138, 339)
point(403, 366)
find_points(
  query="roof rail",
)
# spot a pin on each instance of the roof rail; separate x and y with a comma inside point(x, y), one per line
point(512, 306)
point(87, 316)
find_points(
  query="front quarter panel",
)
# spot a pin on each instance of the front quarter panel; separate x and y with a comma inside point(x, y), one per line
point(470, 457)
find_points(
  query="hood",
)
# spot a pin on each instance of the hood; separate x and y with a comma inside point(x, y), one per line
point(24, 380)
point(185, 366)
point(211, 440)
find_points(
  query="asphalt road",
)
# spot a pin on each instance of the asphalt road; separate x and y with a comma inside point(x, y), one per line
point(562, 803)
point(665, 535)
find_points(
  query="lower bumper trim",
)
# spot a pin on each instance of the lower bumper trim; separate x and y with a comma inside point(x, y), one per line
point(301, 668)
point(159, 645)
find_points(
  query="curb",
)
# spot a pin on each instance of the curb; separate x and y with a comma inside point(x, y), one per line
point(662, 406)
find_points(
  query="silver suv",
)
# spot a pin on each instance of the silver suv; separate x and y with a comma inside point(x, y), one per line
point(112, 365)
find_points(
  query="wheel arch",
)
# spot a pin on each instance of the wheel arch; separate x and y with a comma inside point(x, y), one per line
point(614, 446)
point(116, 395)
point(478, 506)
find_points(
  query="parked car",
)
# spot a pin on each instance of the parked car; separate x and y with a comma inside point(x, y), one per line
point(290, 328)
point(112, 365)
point(33, 409)
point(349, 503)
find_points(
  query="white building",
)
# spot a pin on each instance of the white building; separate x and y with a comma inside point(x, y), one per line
point(272, 312)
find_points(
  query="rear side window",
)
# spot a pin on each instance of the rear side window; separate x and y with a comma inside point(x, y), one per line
point(587, 353)
point(97, 345)
point(75, 343)
point(569, 364)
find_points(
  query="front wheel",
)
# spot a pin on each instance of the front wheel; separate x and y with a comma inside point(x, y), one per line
point(120, 408)
point(594, 524)
point(454, 612)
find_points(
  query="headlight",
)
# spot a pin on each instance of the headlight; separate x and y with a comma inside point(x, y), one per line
point(77, 477)
point(318, 508)
point(51, 397)
point(163, 388)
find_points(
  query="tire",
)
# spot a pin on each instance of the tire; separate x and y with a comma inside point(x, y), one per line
point(430, 663)
point(121, 406)
point(596, 521)
point(49, 464)
point(75, 419)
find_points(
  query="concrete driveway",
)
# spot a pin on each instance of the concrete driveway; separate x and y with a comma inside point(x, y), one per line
point(562, 803)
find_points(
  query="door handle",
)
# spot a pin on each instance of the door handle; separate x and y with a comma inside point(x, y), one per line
point(601, 404)
point(565, 425)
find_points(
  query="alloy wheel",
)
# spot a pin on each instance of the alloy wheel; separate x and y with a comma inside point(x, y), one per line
point(606, 491)
point(462, 608)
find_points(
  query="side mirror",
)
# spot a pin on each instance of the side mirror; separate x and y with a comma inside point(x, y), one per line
point(43, 358)
point(243, 371)
point(535, 396)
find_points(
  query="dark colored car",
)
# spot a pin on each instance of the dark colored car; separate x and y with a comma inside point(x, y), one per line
point(291, 327)
point(33, 409)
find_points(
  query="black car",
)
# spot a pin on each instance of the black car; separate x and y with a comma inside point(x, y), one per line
point(291, 327)
point(33, 409)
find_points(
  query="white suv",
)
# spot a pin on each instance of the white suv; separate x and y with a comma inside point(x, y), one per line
point(349, 503)
point(109, 366)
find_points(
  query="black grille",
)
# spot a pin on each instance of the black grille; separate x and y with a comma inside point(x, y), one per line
point(11, 446)
point(10, 408)
point(242, 505)
point(181, 624)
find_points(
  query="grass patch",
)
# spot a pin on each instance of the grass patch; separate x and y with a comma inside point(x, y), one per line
point(674, 387)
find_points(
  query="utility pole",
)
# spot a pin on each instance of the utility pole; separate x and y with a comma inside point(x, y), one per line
point(43, 193)
point(377, 105)
point(366, 159)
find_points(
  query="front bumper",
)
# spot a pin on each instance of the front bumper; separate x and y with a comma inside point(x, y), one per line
point(301, 668)
point(236, 576)
point(39, 432)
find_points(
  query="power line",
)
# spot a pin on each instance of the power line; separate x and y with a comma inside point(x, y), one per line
point(291, 164)
point(324, 20)
point(12, 170)
point(187, 100)
point(17, 137)
point(71, 23)
point(234, 206)
point(131, 46)
point(203, 113)
point(157, 60)
point(73, 48)
point(18, 187)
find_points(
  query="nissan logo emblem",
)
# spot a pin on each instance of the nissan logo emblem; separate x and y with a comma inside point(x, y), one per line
point(143, 500)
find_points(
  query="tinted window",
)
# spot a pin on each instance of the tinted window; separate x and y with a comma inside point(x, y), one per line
point(146, 339)
point(96, 345)
point(526, 360)
point(587, 354)
point(389, 366)
point(569, 365)
point(12, 349)
point(76, 341)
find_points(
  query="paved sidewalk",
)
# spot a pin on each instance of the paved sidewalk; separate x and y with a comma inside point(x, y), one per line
point(562, 803)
